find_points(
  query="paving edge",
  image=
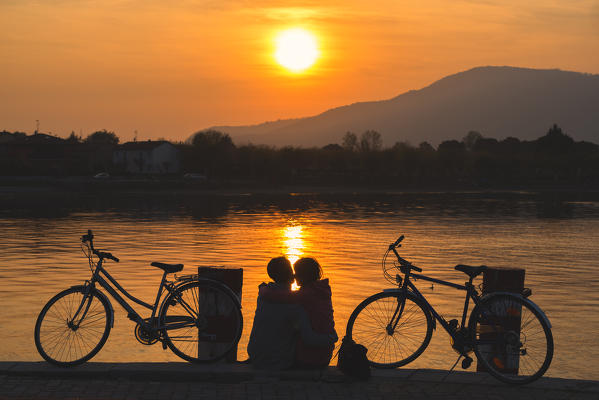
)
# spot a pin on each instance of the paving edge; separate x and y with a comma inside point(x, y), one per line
point(237, 373)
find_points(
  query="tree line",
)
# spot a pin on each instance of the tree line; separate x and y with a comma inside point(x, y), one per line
point(47, 155)
point(474, 160)
point(359, 159)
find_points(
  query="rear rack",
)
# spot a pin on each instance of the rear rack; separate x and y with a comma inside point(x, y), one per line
point(186, 278)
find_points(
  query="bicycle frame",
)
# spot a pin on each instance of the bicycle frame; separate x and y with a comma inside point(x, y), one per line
point(407, 285)
point(471, 293)
point(148, 324)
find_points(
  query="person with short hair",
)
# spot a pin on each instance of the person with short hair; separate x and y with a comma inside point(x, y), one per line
point(279, 270)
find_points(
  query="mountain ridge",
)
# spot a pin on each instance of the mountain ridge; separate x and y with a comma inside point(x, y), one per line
point(497, 101)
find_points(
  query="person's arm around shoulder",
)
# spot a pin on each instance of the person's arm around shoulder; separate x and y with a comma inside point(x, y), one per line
point(276, 295)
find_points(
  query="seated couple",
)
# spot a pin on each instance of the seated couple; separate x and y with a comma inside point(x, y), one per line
point(293, 329)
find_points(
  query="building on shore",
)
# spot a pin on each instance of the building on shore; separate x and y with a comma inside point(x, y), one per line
point(151, 157)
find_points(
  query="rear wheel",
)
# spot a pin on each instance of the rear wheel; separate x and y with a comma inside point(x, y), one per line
point(512, 339)
point(391, 343)
point(202, 321)
point(72, 327)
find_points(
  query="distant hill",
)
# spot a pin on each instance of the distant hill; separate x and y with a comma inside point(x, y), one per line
point(496, 101)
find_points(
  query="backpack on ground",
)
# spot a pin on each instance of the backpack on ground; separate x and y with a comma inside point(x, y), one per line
point(352, 359)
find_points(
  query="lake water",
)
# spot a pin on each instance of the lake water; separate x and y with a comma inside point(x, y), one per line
point(555, 239)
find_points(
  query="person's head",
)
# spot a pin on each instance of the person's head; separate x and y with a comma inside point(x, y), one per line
point(307, 270)
point(279, 270)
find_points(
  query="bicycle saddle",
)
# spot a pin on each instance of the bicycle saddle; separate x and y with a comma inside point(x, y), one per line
point(170, 268)
point(472, 272)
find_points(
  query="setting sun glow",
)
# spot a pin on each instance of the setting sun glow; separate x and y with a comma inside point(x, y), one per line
point(296, 49)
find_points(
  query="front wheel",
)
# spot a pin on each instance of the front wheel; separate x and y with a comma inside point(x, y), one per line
point(201, 321)
point(391, 342)
point(72, 327)
point(512, 339)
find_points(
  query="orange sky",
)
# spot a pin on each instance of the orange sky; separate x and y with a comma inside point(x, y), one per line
point(170, 68)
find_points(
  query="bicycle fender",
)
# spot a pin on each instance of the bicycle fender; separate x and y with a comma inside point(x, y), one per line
point(103, 296)
point(524, 300)
point(433, 319)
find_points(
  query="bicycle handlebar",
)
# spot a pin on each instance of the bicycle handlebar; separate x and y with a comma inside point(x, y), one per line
point(407, 264)
point(397, 243)
point(404, 263)
point(101, 254)
point(88, 238)
point(107, 255)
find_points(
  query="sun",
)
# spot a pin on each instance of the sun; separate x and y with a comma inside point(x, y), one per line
point(296, 49)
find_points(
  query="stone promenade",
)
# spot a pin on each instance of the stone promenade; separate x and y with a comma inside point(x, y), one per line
point(172, 381)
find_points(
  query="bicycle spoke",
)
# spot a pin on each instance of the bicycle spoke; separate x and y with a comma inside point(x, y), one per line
point(210, 311)
point(408, 338)
point(60, 343)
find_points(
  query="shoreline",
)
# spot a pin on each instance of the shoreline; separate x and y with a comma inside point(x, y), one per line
point(178, 186)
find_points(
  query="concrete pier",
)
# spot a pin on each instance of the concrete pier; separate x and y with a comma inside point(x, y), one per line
point(172, 381)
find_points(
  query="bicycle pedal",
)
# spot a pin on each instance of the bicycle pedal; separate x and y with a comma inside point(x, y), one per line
point(466, 362)
point(163, 345)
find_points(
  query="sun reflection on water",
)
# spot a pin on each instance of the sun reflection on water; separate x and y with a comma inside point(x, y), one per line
point(293, 242)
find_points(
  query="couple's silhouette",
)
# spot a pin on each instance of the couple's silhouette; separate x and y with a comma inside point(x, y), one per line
point(293, 329)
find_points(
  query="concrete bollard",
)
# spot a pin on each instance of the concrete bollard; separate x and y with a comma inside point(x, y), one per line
point(233, 278)
point(505, 280)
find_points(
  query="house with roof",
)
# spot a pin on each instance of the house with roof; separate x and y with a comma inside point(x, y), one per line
point(151, 157)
